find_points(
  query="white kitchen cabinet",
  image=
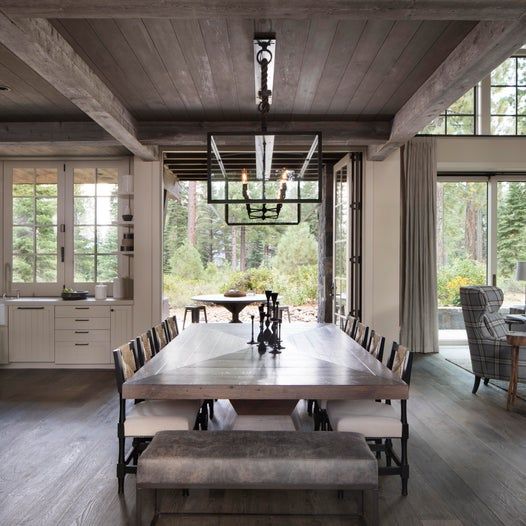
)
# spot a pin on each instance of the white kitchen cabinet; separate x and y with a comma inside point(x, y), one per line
point(121, 325)
point(31, 334)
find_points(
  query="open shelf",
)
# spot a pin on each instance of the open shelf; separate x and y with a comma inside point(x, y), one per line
point(122, 253)
point(122, 223)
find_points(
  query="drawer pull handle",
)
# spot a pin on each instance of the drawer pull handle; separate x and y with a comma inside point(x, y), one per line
point(81, 319)
point(30, 308)
point(81, 332)
point(81, 308)
point(81, 344)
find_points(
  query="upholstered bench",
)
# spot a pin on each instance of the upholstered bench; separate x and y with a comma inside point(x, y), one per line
point(282, 460)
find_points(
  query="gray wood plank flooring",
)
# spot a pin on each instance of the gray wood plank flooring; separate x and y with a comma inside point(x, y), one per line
point(57, 461)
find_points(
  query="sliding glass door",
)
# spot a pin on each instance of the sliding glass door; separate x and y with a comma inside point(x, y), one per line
point(481, 234)
point(462, 249)
point(510, 244)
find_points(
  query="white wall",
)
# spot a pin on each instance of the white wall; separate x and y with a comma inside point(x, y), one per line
point(382, 246)
point(481, 154)
point(148, 244)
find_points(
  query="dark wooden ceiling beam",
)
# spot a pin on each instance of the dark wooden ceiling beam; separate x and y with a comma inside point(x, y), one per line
point(42, 47)
point(190, 133)
point(334, 132)
point(296, 9)
point(486, 46)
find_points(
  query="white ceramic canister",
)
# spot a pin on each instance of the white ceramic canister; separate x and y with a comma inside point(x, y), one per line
point(118, 288)
point(126, 184)
point(101, 291)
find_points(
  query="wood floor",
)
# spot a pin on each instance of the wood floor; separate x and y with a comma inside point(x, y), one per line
point(57, 460)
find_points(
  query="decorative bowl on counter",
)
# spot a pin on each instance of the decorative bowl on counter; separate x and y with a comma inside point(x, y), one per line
point(74, 295)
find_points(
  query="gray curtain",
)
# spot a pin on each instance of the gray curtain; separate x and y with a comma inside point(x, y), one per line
point(418, 267)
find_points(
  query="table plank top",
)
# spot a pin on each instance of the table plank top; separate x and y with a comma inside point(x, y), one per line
point(214, 360)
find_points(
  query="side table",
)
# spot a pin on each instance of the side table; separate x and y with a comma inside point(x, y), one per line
point(516, 340)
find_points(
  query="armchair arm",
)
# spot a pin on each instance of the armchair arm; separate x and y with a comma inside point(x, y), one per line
point(491, 358)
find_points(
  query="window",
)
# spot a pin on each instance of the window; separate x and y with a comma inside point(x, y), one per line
point(458, 119)
point(508, 97)
point(35, 225)
point(62, 224)
point(95, 207)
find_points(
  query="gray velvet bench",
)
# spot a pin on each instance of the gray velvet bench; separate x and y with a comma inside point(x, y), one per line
point(277, 460)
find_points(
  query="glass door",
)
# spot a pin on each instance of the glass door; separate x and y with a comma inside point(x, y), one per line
point(341, 237)
point(347, 250)
point(510, 245)
point(462, 247)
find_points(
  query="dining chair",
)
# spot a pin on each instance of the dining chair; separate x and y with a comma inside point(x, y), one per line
point(376, 345)
point(140, 421)
point(361, 334)
point(144, 347)
point(172, 327)
point(379, 422)
point(160, 340)
point(350, 325)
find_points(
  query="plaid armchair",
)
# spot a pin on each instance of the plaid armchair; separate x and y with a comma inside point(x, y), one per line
point(486, 330)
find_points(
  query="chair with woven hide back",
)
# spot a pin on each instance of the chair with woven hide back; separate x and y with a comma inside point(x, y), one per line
point(350, 325)
point(171, 326)
point(160, 339)
point(361, 334)
point(140, 421)
point(144, 347)
point(377, 421)
point(375, 346)
point(486, 330)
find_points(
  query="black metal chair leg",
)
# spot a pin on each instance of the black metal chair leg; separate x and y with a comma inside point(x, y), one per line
point(310, 403)
point(476, 385)
point(404, 466)
point(121, 464)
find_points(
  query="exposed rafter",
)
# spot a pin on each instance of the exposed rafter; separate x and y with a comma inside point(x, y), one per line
point(296, 9)
point(335, 133)
point(339, 132)
point(40, 46)
point(483, 49)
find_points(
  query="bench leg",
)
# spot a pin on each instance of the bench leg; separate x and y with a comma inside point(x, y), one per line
point(370, 507)
point(146, 506)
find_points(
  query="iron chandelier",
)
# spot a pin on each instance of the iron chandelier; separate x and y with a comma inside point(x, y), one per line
point(263, 177)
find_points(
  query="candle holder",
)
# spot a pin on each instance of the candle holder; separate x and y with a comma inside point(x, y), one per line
point(252, 341)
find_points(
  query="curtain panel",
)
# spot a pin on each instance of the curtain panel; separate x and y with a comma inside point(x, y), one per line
point(418, 265)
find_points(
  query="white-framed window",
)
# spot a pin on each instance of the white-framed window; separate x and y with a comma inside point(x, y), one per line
point(60, 224)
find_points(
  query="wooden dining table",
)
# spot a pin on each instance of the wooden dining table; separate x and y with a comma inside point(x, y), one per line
point(214, 361)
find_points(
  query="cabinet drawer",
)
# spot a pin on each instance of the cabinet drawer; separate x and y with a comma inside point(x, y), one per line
point(82, 353)
point(81, 322)
point(83, 335)
point(81, 311)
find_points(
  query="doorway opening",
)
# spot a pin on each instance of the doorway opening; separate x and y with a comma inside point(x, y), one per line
point(204, 255)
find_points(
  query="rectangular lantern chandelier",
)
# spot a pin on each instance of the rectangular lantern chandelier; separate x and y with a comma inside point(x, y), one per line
point(263, 177)
point(263, 174)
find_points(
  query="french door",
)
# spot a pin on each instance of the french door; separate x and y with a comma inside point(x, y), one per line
point(347, 237)
point(481, 235)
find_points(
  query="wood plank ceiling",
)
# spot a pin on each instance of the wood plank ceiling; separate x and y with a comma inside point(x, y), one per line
point(165, 69)
point(194, 71)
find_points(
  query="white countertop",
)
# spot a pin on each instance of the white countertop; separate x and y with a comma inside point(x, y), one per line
point(59, 301)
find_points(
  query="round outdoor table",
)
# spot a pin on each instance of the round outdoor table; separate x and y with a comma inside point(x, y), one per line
point(234, 305)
